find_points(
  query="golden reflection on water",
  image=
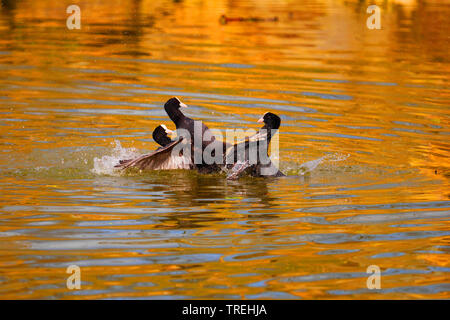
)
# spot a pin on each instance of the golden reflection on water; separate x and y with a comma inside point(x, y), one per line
point(373, 103)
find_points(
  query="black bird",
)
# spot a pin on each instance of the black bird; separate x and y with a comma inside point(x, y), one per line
point(165, 157)
point(161, 135)
point(201, 137)
point(241, 154)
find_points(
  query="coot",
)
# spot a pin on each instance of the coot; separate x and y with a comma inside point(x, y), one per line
point(200, 137)
point(161, 135)
point(169, 156)
point(242, 155)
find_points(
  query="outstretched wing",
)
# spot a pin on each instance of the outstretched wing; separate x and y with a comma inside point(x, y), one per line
point(124, 161)
point(237, 170)
point(161, 159)
point(239, 150)
point(238, 157)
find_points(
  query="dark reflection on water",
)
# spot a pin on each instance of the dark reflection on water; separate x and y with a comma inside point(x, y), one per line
point(363, 141)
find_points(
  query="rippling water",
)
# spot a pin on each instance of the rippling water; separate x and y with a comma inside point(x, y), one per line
point(364, 139)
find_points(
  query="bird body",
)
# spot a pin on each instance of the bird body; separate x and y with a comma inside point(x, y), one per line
point(250, 157)
point(199, 134)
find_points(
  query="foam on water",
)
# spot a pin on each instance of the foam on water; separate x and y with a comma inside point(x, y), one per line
point(105, 164)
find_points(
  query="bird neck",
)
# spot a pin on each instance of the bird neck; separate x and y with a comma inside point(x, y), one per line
point(268, 130)
point(175, 115)
point(165, 141)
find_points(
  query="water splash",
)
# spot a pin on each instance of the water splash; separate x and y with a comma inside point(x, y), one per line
point(105, 164)
point(336, 157)
point(310, 166)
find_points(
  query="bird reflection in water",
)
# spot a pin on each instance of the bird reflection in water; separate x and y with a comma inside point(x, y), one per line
point(205, 195)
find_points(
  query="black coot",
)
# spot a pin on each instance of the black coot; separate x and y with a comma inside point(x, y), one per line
point(172, 107)
point(161, 135)
point(163, 158)
point(239, 154)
